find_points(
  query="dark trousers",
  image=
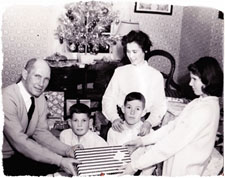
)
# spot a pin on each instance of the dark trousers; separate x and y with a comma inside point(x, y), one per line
point(21, 165)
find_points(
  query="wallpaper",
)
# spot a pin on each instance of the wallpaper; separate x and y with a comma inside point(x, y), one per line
point(26, 33)
point(164, 32)
point(201, 35)
point(190, 32)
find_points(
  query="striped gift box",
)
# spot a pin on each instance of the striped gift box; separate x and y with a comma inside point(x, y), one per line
point(101, 161)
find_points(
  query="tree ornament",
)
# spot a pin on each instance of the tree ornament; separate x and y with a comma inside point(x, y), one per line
point(105, 11)
point(81, 48)
point(72, 47)
point(61, 40)
point(90, 29)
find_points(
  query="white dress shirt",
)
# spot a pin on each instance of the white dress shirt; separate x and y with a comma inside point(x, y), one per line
point(128, 134)
point(26, 96)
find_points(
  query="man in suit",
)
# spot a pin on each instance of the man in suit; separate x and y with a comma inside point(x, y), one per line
point(29, 148)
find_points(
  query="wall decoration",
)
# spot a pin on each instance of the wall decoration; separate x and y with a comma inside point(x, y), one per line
point(164, 9)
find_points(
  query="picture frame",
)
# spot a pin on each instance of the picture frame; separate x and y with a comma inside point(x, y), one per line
point(163, 9)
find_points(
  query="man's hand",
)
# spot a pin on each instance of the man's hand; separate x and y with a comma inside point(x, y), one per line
point(70, 151)
point(133, 145)
point(117, 125)
point(145, 128)
point(68, 165)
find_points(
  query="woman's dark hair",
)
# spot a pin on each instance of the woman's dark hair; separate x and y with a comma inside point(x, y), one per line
point(139, 37)
point(135, 96)
point(80, 108)
point(210, 73)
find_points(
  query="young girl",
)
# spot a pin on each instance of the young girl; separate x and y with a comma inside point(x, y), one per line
point(186, 143)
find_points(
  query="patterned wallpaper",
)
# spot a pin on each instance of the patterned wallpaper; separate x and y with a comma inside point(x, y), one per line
point(201, 35)
point(28, 31)
point(164, 32)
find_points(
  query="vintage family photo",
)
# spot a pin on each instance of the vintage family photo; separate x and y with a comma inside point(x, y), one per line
point(112, 88)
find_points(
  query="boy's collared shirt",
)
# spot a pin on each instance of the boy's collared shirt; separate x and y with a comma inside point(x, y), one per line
point(128, 134)
point(89, 140)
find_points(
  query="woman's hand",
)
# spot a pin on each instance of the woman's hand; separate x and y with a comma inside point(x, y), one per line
point(117, 125)
point(128, 170)
point(133, 145)
point(145, 128)
point(69, 165)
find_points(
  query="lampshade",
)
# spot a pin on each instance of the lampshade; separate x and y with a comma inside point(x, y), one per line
point(125, 27)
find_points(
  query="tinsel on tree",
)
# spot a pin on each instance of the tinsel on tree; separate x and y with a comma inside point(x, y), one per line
point(84, 25)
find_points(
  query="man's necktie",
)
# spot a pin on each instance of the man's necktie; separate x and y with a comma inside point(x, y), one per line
point(31, 111)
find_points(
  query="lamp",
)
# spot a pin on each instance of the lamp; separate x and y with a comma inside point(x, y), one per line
point(123, 29)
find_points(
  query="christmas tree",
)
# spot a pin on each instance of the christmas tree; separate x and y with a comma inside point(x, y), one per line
point(85, 26)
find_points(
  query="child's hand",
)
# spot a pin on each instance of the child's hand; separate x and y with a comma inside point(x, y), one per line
point(117, 125)
point(145, 128)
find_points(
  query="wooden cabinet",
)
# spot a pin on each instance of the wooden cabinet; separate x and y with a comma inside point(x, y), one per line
point(76, 82)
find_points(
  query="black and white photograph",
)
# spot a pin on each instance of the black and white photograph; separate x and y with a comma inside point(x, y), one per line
point(112, 88)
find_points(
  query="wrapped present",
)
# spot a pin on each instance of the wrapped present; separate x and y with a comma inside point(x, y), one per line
point(55, 103)
point(101, 161)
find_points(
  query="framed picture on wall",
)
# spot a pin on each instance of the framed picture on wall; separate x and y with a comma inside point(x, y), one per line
point(164, 9)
